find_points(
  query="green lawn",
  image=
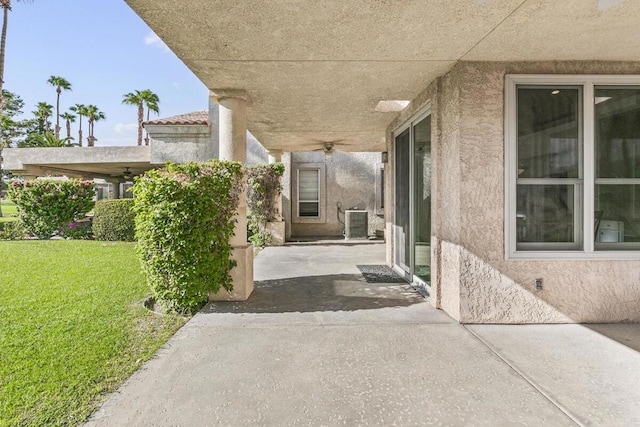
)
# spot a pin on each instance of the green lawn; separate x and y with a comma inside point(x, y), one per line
point(9, 211)
point(72, 328)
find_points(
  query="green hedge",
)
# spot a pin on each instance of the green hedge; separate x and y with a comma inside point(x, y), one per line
point(46, 206)
point(11, 230)
point(184, 222)
point(114, 220)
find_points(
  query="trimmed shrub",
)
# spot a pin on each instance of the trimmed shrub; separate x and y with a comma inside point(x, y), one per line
point(114, 220)
point(263, 186)
point(184, 222)
point(11, 230)
point(45, 206)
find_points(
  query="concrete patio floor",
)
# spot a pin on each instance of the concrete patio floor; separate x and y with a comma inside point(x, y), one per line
point(318, 345)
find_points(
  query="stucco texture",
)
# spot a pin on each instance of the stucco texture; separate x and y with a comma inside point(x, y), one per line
point(348, 179)
point(473, 282)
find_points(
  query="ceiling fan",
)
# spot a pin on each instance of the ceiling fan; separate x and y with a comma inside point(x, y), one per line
point(328, 147)
point(127, 175)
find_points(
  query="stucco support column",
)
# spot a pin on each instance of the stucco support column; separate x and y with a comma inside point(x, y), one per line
point(275, 156)
point(115, 188)
point(232, 128)
point(277, 228)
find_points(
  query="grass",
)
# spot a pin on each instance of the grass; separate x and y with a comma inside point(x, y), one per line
point(72, 328)
point(9, 211)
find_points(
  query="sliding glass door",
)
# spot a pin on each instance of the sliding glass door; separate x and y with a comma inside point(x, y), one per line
point(412, 221)
point(422, 200)
point(402, 229)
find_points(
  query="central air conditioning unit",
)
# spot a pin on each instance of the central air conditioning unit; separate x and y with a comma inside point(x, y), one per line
point(356, 224)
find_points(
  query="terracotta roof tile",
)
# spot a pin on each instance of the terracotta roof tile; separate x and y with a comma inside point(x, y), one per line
point(195, 118)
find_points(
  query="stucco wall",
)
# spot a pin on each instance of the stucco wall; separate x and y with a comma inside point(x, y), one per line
point(349, 179)
point(475, 282)
point(184, 143)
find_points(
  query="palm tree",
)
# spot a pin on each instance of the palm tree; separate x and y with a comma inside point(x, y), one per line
point(135, 98)
point(151, 100)
point(42, 112)
point(6, 7)
point(60, 84)
point(81, 111)
point(140, 98)
point(93, 115)
point(47, 139)
point(69, 118)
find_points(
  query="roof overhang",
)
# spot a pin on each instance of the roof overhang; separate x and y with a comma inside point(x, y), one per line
point(85, 162)
point(315, 71)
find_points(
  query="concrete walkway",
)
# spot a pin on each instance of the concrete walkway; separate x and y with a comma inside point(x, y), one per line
point(318, 345)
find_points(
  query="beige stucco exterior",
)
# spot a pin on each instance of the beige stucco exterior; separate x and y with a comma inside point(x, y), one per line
point(315, 71)
point(472, 279)
point(349, 179)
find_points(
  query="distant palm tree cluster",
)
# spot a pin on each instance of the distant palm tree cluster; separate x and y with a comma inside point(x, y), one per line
point(37, 132)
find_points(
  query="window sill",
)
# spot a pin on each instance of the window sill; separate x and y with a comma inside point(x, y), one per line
point(573, 256)
point(309, 220)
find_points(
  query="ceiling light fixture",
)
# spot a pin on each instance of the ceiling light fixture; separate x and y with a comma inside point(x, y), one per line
point(389, 106)
point(608, 4)
point(555, 92)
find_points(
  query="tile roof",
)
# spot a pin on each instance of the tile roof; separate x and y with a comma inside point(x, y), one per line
point(195, 118)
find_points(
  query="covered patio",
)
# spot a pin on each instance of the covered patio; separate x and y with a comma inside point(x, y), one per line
point(435, 86)
point(317, 344)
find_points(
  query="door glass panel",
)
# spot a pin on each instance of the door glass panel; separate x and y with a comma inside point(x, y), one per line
point(402, 239)
point(422, 199)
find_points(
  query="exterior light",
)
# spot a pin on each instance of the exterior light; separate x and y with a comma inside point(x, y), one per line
point(384, 157)
point(555, 92)
point(391, 106)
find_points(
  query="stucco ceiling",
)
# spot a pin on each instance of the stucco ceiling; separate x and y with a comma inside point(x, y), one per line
point(314, 71)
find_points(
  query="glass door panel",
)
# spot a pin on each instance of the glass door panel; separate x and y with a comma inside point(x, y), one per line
point(402, 236)
point(422, 199)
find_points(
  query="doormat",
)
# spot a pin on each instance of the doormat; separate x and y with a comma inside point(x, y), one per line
point(379, 274)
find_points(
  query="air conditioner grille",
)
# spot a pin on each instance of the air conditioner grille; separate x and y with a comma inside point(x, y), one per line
point(356, 224)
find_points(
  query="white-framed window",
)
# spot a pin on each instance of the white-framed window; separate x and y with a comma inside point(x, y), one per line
point(309, 193)
point(572, 166)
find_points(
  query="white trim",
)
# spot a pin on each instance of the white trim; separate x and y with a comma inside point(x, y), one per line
point(588, 157)
point(317, 198)
point(510, 165)
point(417, 117)
point(584, 188)
point(425, 111)
point(295, 205)
point(601, 255)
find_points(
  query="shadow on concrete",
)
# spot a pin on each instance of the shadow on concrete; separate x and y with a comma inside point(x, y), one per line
point(627, 334)
point(337, 292)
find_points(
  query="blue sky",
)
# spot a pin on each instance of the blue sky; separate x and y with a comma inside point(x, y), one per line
point(104, 50)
